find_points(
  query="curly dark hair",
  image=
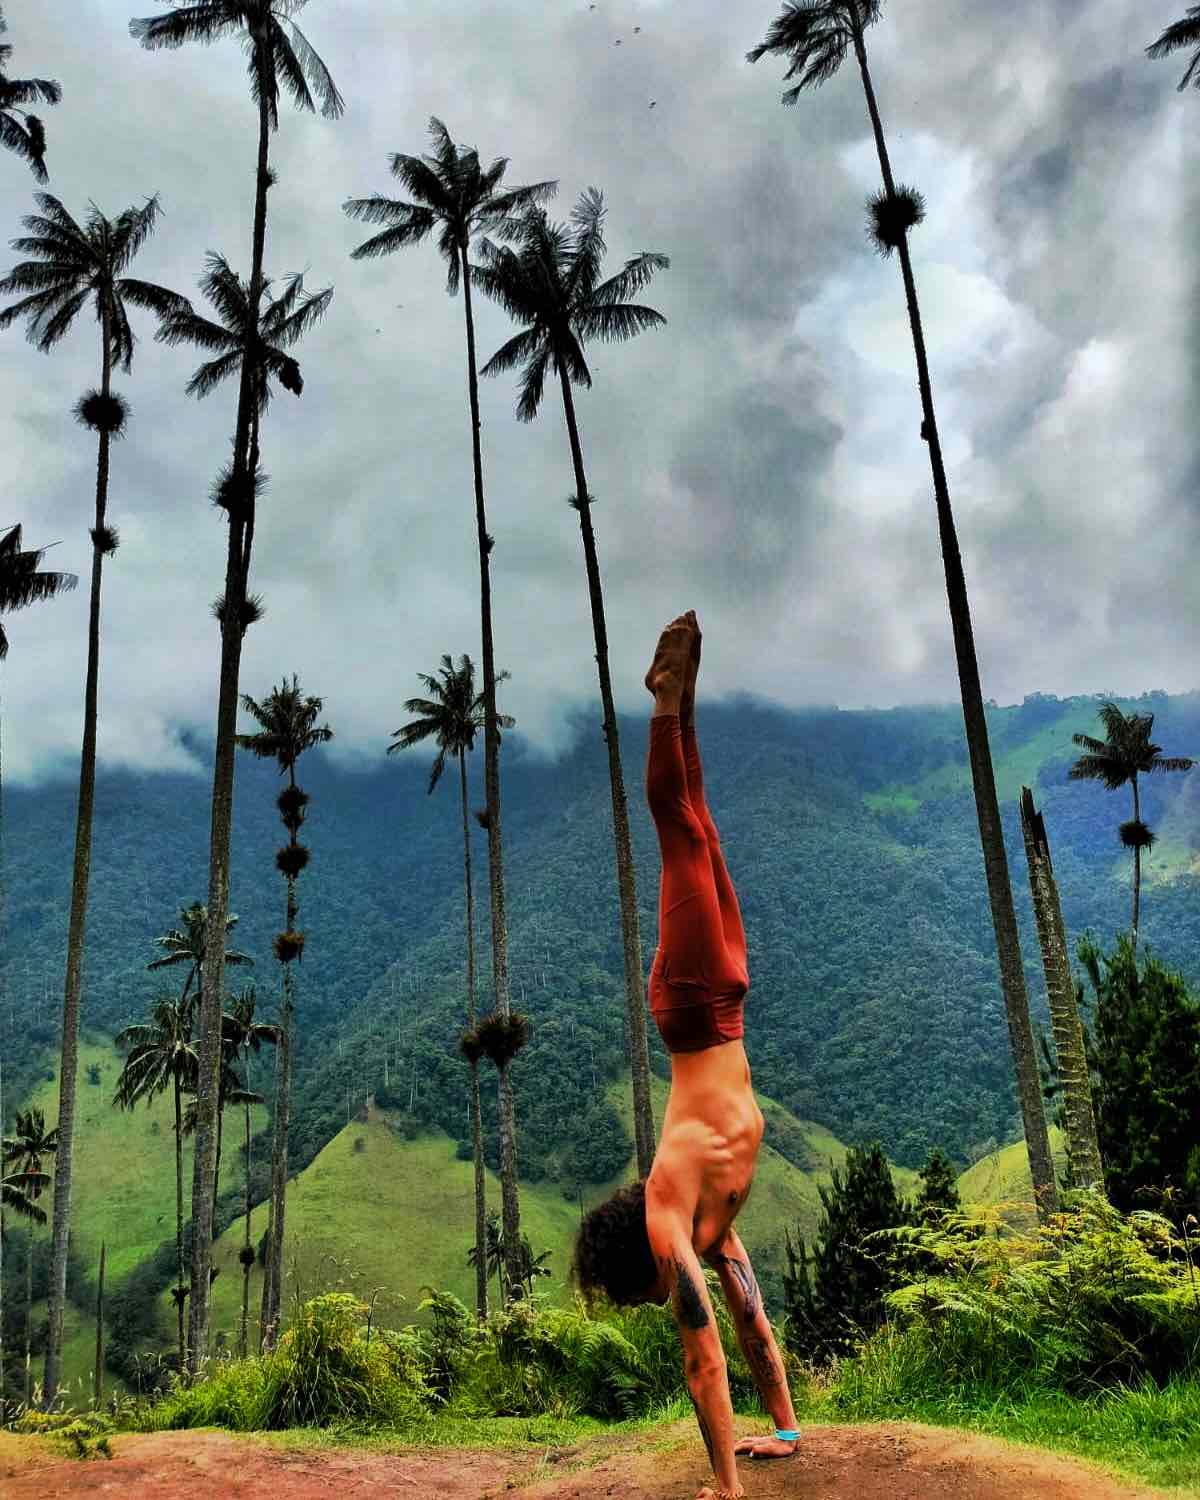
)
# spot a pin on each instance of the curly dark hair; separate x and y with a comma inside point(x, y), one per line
point(612, 1250)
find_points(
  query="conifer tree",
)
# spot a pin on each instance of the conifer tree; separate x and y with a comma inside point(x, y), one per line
point(939, 1189)
point(1144, 1051)
point(834, 1293)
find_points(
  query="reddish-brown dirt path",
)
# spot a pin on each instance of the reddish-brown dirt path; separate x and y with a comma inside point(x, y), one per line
point(892, 1461)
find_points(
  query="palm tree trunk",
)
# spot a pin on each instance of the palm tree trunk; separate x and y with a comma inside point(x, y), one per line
point(476, 1123)
point(510, 1203)
point(991, 833)
point(635, 992)
point(73, 989)
point(242, 1344)
point(268, 1263)
point(1082, 1144)
point(2, 1387)
point(98, 1378)
point(29, 1317)
point(179, 1285)
point(237, 570)
point(1137, 864)
point(279, 1154)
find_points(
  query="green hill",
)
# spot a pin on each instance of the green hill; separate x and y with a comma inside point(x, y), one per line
point(1003, 1177)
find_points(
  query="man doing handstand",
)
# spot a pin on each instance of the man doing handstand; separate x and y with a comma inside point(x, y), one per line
point(646, 1244)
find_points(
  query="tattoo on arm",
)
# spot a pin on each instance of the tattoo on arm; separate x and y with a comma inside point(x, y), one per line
point(744, 1277)
point(688, 1300)
point(762, 1365)
point(705, 1434)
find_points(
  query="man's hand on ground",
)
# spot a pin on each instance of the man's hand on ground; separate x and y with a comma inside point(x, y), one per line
point(765, 1447)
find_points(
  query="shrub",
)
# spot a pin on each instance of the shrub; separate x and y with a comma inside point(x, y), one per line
point(1091, 1299)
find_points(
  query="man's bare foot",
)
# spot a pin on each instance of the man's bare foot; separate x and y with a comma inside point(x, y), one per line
point(688, 700)
point(668, 671)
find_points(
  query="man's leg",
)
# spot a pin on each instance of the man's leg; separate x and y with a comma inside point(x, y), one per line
point(691, 931)
point(731, 916)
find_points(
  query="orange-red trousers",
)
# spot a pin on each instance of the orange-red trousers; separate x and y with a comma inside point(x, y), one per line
point(698, 980)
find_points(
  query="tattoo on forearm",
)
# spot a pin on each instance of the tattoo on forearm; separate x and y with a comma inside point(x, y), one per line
point(688, 1300)
point(704, 1433)
point(744, 1276)
point(762, 1363)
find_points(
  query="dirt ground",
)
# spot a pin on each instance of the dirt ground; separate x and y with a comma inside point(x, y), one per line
point(892, 1461)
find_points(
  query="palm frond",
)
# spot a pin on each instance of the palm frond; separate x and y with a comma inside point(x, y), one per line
point(1185, 33)
point(617, 321)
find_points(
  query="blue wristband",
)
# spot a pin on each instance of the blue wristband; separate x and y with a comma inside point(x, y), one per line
point(786, 1435)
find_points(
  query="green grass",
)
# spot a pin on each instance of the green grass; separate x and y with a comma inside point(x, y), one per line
point(1003, 1177)
point(1147, 1434)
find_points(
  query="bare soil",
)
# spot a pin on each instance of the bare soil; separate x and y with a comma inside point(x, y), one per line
point(892, 1461)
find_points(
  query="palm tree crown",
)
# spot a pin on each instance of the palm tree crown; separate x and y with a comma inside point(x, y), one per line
point(815, 36)
point(81, 264)
point(551, 286)
point(273, 53)
point(284, 322)
point(453, 712)
point(1124, 753)
point(161, 1052)
point(452, 190)
point(1181, 34)
point(27, 1145)
point(21, 581)
point(26, 136)
point(185, 944)
point(289, 725)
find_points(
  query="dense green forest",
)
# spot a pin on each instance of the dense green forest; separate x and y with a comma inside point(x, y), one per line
point(874, 1006)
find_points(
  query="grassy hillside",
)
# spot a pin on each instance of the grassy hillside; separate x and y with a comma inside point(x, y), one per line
point(1003, 1177)
point(377, 1211)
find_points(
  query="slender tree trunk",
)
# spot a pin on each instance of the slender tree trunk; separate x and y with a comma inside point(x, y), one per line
point(73, 988)
point(476, 1123)
point(237, 571)
point(268, 1263)
point(29, 1317)
point(1137, 864)
point(635, 992)
point(279, 1155)
point(1082, 1143)
point(180, 1283)
point(510, 1202)
point(991, 833)
point(242, 1344)
point(98, 1387)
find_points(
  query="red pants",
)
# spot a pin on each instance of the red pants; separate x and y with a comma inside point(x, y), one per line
point(698, 980)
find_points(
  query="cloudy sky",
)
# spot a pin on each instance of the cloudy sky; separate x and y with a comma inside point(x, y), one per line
point(757, 458)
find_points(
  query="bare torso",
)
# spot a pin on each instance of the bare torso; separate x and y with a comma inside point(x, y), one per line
point(711, 1133)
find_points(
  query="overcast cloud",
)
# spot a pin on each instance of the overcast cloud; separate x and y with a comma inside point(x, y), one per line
point(758, 458)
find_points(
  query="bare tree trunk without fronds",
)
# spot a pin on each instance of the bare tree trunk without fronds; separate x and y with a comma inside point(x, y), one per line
point(991, 832)
point(98, 1386)
point(476, 1122)
point(635, 988)
point(77, 924)
point(1083, 1144)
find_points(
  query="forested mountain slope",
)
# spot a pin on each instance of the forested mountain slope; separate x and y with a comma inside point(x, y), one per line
point(875, 1003)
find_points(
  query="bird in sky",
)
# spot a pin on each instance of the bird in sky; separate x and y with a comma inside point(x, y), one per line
point(617, 43)
point(653, 102)
point(636, 29)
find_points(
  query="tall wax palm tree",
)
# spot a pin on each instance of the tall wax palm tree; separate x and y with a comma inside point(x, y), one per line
point(1181, 34)
point(247, 1035)
point(279, 54)
point(22, 582)
point(185, 944)
point(1070, 1071)
point(289, 727)
point(1123, 755)
point(27, 135)
point(76, 267)
point(26, 1147)
point(453, 714)
point(454, 195)
point(551, 286)
point(815, 37)
point(162, 1054)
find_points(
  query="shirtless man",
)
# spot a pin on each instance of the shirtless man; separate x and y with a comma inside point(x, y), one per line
point(647, 1243)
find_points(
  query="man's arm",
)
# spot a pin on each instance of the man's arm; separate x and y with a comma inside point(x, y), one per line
point(703, 1356)
point(758, 1344)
